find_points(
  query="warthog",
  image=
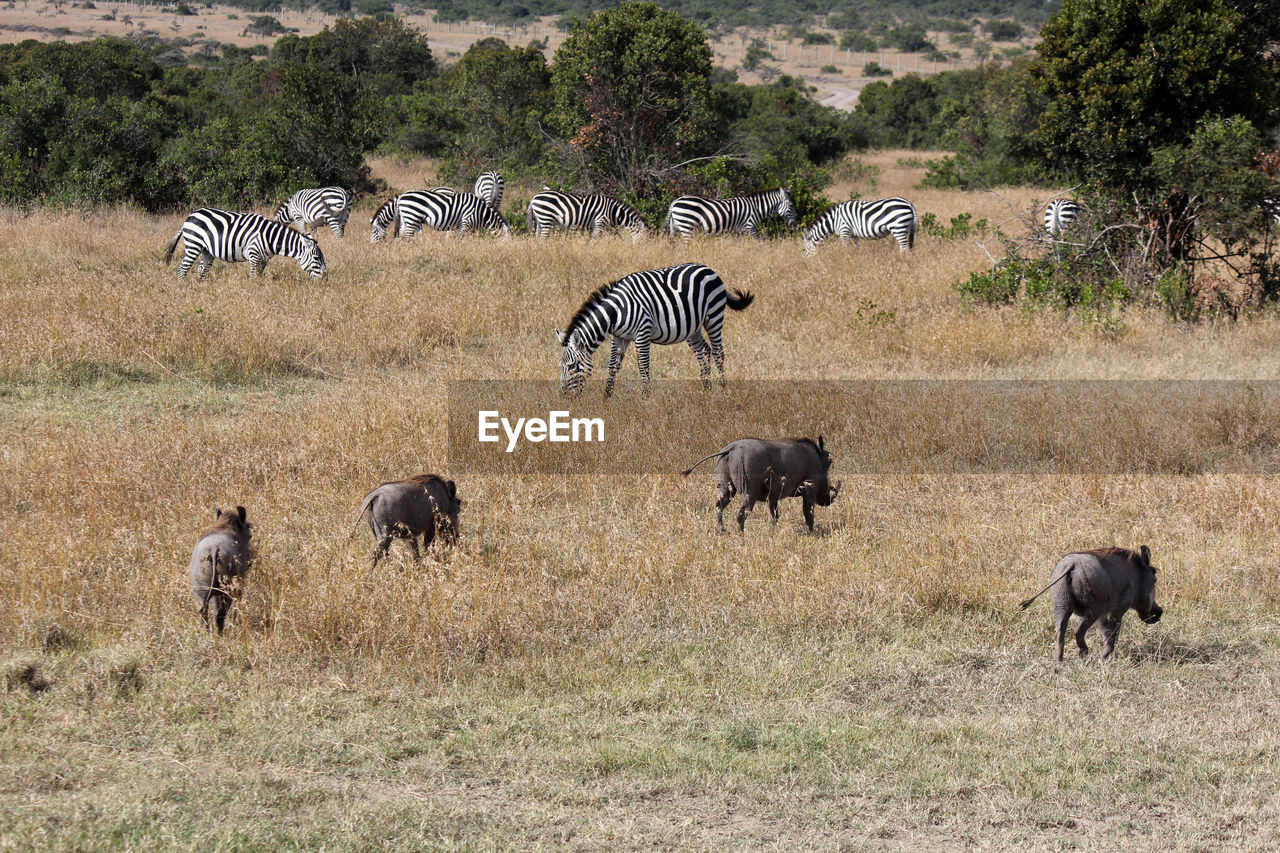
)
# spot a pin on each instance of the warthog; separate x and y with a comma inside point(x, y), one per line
point(1101, 584)
point(219, 562)
point(770, 470)
point(419, 506)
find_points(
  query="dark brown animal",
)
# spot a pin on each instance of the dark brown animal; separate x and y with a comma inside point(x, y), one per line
point(770, 470)
point(425, 505)
point(1101, 584)
point(219, 562)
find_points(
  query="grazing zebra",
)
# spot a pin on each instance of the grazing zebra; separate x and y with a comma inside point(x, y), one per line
point(211, 234)
point(1059, 215)
point(691, 213)
point(442, 209)
point(489, 187)
point(552, 209)
point(315, 207)
point(663, 306)
point(872, 219)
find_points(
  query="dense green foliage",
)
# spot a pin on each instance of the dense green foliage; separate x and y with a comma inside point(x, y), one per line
point(1160, 112)
point(630, 105)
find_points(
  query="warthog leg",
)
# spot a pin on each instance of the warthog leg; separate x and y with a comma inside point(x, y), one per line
point(1110, 628)
point(807, 493)
point(413, 543)
point(1063, 619)
point(744, 509)
point(1085, 624)
point(726, 495)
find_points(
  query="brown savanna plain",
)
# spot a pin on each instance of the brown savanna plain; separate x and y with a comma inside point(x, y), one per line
point(592, 667)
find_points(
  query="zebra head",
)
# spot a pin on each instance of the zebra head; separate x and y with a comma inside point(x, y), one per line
point(310, 258)
point(786, 207)
point(575, 364)
point(810, 242)
point(378, 224)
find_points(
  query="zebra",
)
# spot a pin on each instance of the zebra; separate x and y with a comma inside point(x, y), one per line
point(551, 208)
point(210, 234)
point(489, 187)
point(312, 208)
point(1060, 214)
point(664, 306)
point(872, 219)
point(442, 209)
point(690, 213)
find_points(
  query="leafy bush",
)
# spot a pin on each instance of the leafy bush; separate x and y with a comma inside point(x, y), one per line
point(858, 41)
point(873, 69)
point(1003, 30)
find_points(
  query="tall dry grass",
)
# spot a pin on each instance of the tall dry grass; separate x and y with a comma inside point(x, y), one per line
point(135, 402)
point(592, 666)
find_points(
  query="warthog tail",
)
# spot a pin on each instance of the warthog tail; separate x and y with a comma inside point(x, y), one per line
point(367, 506)
point(716, 455)
point(173, 244)
point(1024, 605)
point(738, 300)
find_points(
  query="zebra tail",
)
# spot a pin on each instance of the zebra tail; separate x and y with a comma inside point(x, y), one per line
point(738, 300)
point(715, 455)
point(173, 244)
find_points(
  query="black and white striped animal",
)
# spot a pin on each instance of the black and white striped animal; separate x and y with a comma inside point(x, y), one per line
point(595, 213)
point(210, 234)
point(1060, 214)
point(664, 306)
point(311, 208)
point(489, 186)
point(441, 209)
point(871, 219)
point(690, 213)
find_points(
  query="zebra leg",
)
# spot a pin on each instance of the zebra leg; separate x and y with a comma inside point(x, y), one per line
point(206, 263)
point(750, 228)
point(616, 352)
point(188, 258)
point(717, 351)
point(642, 356)
point(700, 349)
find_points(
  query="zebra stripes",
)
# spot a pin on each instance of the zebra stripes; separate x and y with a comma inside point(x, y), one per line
point(210, 234)
point(489, 186)
point(664, 306)
point(869, 219)
point(553, 209)
point(691, 213)
point(311, 208)
point(1059, 215)
point(441, 209)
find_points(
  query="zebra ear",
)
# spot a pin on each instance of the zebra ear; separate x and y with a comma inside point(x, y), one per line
point(560, 337)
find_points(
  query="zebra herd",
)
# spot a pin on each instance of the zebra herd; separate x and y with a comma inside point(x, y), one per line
point(211, 234)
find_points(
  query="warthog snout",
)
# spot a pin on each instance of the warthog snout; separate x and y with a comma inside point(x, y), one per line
point(1154, 616)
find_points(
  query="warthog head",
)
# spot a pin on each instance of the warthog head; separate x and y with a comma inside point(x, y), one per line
point(1145, 604)
point(826, 493)
point(575, 364)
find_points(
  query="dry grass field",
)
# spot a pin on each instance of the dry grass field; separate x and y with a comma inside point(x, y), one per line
point(592, 667)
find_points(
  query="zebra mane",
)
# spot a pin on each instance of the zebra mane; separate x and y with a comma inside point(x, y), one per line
point(588, 307)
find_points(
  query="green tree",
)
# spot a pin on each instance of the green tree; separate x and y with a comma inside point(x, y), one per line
point(1121, 76)
point(1133, 89)
point(630, 92)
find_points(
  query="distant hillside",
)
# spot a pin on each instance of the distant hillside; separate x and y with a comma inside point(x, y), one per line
point(716, 14)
